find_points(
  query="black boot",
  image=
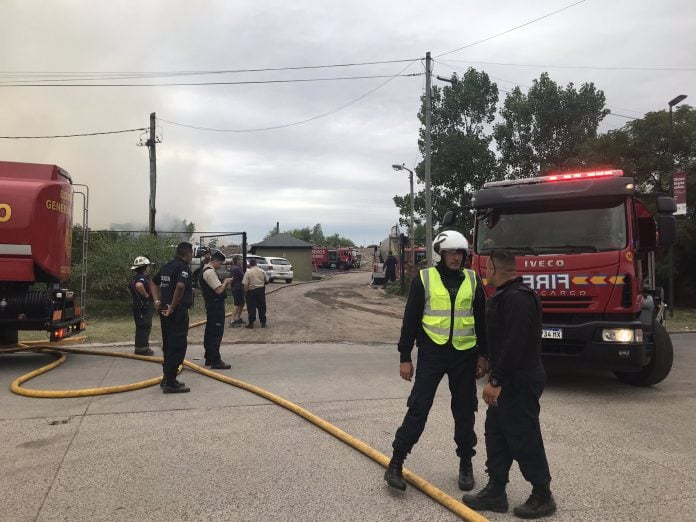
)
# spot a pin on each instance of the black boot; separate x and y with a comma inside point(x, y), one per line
point(394, 474)
point(490, 498)
point(466, 475)
point(537, 506)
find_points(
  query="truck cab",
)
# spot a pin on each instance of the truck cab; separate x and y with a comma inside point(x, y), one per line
point(586, 243)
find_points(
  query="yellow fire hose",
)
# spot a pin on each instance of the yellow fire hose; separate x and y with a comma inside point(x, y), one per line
point(416, 481)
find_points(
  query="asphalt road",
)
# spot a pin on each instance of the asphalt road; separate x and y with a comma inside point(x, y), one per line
point(220, 453)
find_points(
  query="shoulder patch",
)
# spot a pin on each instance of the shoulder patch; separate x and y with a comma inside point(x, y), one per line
point(184, 274)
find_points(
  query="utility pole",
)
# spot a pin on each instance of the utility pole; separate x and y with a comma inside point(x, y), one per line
point(153, 171)
point(428, 203)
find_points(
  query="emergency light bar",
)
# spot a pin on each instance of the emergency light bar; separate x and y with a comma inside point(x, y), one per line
point(565, 176)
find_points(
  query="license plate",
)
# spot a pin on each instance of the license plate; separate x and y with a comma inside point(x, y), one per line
point(551, 333)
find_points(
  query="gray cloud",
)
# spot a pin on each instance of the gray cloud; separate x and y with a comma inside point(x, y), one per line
point(336, 170)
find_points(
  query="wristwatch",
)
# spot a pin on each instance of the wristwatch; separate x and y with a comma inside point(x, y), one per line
point(494, 382)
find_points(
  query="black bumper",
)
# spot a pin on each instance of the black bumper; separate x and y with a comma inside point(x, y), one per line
point(584, 342)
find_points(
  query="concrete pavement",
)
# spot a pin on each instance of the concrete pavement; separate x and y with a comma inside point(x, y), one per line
point(220, 453)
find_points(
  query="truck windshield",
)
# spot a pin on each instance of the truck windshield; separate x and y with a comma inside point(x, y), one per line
point(539, 232)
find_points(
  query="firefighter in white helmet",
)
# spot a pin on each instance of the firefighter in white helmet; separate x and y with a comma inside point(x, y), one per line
point(139, 288)
point(445, 317)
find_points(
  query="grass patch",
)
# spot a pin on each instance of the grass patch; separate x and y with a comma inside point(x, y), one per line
point(684, 320)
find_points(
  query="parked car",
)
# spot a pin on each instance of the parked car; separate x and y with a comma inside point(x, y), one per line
point(279, 268)
point(261, 262)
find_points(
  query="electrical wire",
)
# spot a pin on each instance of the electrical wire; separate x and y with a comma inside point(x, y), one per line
point(70, 135)
point(190, 84)
point(590, 67)
point(318, 116)
point(162, 74)
point(510, 30)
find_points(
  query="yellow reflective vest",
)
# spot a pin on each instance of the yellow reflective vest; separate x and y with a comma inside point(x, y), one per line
point(438, 315)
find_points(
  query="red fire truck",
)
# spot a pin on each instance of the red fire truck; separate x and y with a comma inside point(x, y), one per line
point(586, 242)
point(342, 258)
point(36, 206)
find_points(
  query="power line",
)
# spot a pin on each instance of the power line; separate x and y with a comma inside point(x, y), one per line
point(512, 29)
point(318, 116)
point(156, 74)
point(597, 67)
point(70, 135)
point(248, 82)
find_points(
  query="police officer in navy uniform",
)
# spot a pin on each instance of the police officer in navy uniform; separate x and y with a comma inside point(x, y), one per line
point(214, 293)
point(139, 288)
point(513, 432)
point(445, 316)
point(173, 285)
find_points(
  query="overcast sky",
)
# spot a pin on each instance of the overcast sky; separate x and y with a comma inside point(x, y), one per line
point(335, 170)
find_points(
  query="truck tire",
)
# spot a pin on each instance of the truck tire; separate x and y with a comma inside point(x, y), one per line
point(288, 281)
point(195, 278)
point(659, 366)
point(8, 337)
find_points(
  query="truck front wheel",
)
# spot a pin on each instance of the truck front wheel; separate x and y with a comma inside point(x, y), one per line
point(659, 366)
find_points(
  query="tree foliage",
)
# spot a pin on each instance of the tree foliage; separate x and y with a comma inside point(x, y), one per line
point(110, 256)
point(315, 235)
point(461, 158)
point(542, 129)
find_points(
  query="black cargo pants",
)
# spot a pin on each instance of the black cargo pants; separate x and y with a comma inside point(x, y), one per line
point(433, 363)
point(174, 341)
point(142, 316)
point(214, 330)
point(513, 431)
point(256, 302)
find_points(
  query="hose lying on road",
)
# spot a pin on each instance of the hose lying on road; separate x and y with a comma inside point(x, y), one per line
point(433, 492)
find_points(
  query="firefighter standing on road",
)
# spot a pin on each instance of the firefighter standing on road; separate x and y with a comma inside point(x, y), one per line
point(139, 288)
point(173, 283)
point(214, 293)
point(445, 315)
point(513, 324)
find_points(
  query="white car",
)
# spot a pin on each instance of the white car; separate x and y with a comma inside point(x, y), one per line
point(279, 268)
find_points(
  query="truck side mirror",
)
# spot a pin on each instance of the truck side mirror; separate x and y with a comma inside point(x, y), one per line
point(666, 229)
point(666, 205)
point(449, 219)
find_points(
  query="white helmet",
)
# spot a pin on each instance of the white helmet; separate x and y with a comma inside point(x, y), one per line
point(140, 261)
point(449, 240)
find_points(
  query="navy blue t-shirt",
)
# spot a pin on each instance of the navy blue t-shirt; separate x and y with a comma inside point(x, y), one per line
point(174, 272)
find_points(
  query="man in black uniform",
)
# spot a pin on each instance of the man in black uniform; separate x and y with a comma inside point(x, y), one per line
point(513, 325)
point(214, 293)
point(390, 269)
point(445, 316)
point(174, 283)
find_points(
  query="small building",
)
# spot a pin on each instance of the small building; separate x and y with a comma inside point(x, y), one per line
point(298, 252)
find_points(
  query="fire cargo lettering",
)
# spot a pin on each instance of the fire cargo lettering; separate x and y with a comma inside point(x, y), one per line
point(547, 281)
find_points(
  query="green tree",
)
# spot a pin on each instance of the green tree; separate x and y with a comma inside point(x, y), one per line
point(542, 129)
point(317, 235)
point(462, 160)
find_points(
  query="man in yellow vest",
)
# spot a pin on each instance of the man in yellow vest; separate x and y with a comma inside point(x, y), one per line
point(445, 316)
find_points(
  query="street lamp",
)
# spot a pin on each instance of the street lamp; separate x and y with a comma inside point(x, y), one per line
point(410, 180)
point(671, 104)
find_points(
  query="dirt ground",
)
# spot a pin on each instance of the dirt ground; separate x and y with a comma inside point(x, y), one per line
point(340, 308)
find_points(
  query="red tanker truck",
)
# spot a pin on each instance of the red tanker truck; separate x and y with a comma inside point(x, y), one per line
point(36, 206)
point(586, 243)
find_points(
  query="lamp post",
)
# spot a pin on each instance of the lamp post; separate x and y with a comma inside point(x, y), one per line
point(671, 104)
point(410, 180)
